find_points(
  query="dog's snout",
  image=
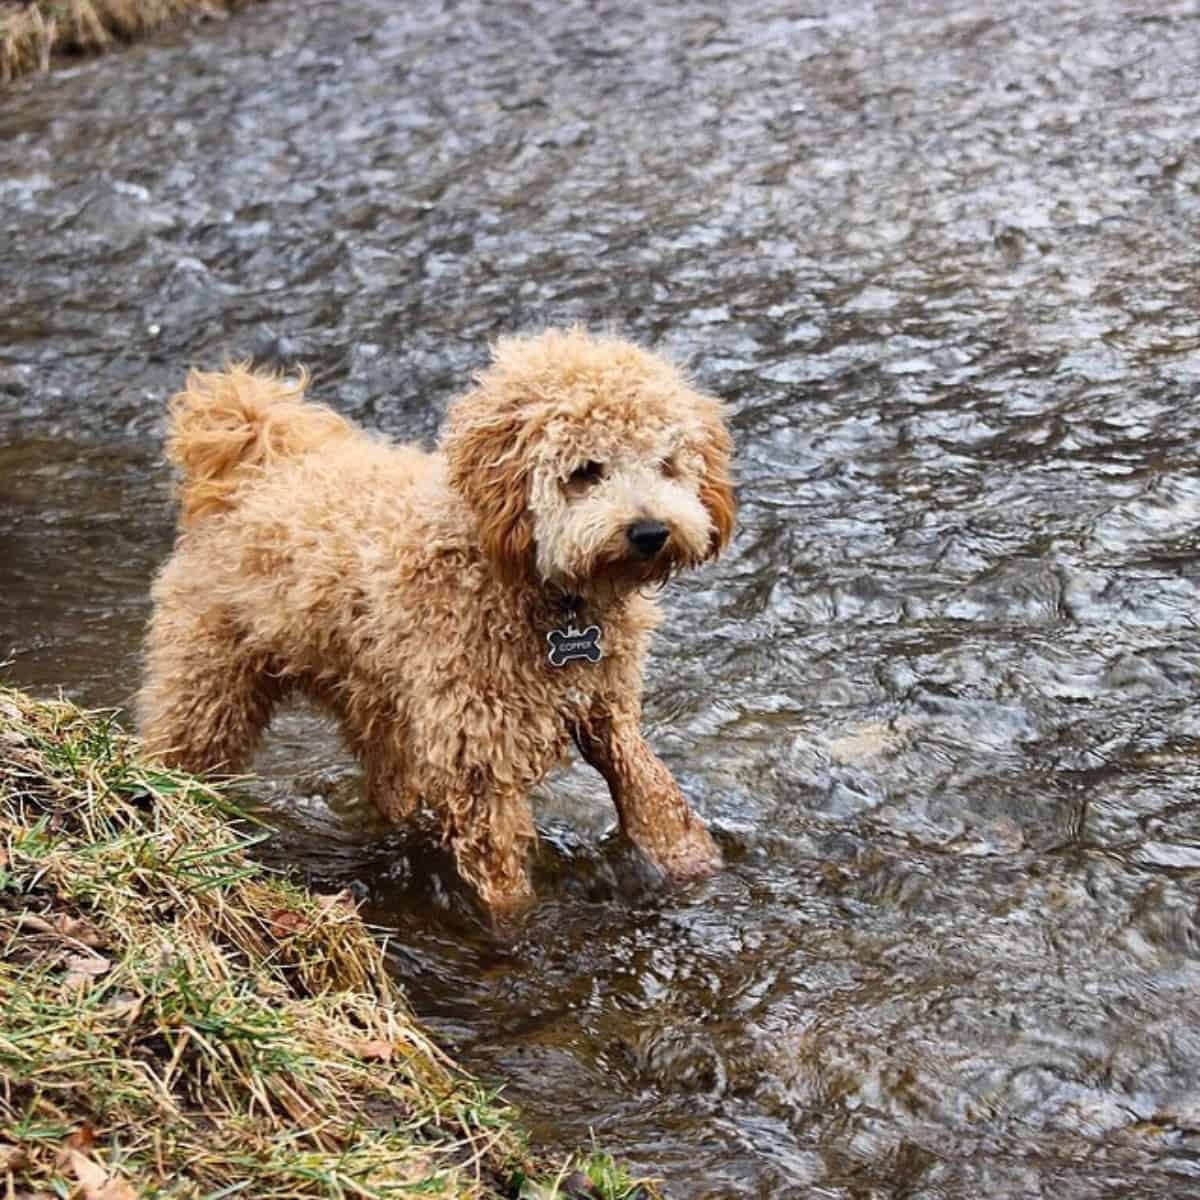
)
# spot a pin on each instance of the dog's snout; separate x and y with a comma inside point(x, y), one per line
point(648, 537)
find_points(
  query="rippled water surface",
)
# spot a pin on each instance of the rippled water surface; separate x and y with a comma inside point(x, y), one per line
point(939, 700)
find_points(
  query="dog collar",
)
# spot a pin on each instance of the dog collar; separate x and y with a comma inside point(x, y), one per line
point(571, 643)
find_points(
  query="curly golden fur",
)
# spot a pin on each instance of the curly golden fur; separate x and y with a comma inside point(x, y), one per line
point(412, 593)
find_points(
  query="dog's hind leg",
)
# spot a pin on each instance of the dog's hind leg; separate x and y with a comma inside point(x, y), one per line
point(387, 787)
point(374, 730)
point(205, 700)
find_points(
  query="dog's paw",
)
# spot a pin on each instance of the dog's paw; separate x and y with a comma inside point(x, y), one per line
point(694, 855)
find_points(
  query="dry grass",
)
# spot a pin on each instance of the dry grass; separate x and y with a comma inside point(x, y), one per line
point(31, 31)
point(177, 1021)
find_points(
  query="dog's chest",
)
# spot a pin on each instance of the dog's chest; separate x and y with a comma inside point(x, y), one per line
point(577, 701)
point(574, 688)
point(579, 659)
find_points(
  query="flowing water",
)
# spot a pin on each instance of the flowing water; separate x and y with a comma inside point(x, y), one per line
point(938, 702)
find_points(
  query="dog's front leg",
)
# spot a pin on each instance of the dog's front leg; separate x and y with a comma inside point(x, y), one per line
point(491, 833)
point(650, 807)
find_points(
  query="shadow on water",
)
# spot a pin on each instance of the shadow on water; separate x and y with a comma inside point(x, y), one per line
point(939, 701)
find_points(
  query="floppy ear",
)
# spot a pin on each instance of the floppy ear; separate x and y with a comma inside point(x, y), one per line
point(489, 470)
point(716, 486)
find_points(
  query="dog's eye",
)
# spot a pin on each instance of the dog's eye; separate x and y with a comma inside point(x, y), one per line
point(590, 472)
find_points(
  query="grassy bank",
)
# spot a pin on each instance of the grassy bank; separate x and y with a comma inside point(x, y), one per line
point(33, 31)
point(177, 1021)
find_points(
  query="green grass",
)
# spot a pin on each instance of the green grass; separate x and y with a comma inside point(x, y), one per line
point(177, 1021)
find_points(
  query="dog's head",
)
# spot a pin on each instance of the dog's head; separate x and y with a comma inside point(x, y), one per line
point(590, 463)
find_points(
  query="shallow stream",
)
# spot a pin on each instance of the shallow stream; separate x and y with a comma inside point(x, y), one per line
point(939, 701)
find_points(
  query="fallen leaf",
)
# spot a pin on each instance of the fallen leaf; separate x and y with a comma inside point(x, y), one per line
point(78, 929)
point(88, 964)
point(12, 1158)
point(34, 922)
point(97, 1183)
point(83, 968)
point(367, 1048)
point(73, 929)
point(83, 1138)
point(125, 1005)
point(284, 922)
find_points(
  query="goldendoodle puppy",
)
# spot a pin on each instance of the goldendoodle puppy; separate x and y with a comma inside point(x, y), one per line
point(465, 614)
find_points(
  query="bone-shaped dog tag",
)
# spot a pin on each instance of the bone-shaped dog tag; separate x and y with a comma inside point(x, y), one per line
point(569, 644)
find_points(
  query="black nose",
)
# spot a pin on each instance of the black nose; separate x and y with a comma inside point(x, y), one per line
point(648, 537)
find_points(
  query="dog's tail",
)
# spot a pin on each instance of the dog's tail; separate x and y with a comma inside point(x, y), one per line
point(226, 426)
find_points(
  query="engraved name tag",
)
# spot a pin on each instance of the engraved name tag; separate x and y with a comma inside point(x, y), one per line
point(566, 645)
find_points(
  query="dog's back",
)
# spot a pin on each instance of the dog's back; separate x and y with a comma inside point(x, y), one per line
point(286, 511)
